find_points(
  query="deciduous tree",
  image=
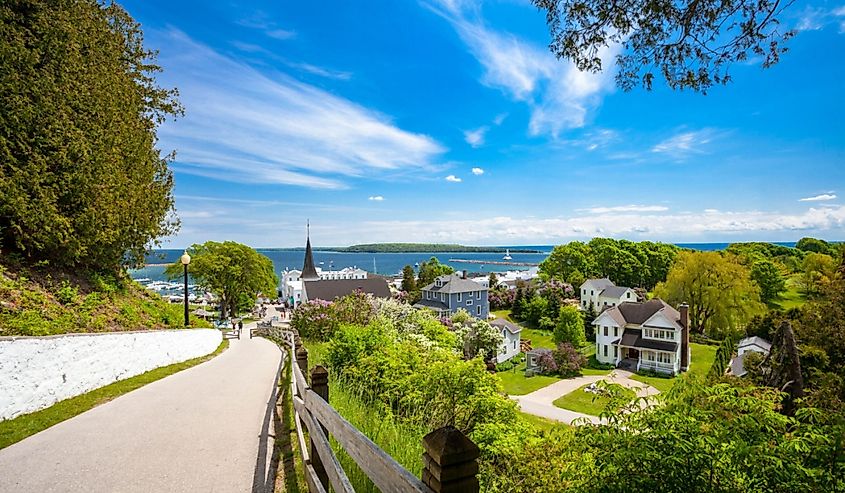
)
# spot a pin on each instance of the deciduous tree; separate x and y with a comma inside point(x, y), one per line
point(570, 326)
point(721, 295)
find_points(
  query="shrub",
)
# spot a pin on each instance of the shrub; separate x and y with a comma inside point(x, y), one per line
point(67, 294)
point(569, 361)
point(546, 362)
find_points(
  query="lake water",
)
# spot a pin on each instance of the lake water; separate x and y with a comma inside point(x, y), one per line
point(387, 264)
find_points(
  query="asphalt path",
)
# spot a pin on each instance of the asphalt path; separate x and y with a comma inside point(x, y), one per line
point(208, 428)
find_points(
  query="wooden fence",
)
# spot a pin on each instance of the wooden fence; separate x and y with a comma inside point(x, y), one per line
point(450, 458)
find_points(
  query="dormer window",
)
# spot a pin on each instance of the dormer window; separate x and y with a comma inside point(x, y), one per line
point(628, 294)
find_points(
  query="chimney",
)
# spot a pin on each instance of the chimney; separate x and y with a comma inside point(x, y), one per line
point(465, 274)
point(683, 309)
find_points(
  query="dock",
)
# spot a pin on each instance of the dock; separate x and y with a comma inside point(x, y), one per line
point(493, 262)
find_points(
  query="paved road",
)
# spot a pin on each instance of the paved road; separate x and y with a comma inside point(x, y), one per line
point(205, 429)
point(540, 402)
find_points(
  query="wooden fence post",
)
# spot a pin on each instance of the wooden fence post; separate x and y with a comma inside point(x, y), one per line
point(302, 361)
point(320, 386)
point(450, 461)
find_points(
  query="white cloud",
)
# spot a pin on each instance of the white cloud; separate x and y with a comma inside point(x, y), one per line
point(819, 198)
point(559, 95)
point(244, 126)
point(698, 226)
point(815, 18)
point(500, 118)
point(322, 71)
point(685, 143)
point(626, 208)
point(453, 179)
point(477, 171)
point(260, 21)
point(475, 138)
point(376, 198)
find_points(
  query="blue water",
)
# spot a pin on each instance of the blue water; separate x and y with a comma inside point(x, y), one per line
point(387, 264)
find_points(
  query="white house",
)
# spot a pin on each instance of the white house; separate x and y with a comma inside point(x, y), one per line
point(290, 287)
point(508, 279)
point(644, 335)
point(511, 339)
point(748, 345)
point(602, 293)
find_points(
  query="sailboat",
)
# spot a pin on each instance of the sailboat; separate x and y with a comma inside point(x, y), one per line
point(507, 254)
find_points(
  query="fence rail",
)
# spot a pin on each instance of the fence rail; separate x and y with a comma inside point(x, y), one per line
point(450, 458)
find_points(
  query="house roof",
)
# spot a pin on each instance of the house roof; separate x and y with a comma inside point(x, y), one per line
point(454, 283)
point(538, 350)
point(756, 341)
point(335, 288)
point(598, 284)
point(614, 291)
point(637, 313)
point(634, 338)
point(434, 304)
point(504, 324)
point(309, 272)
point(737, 367)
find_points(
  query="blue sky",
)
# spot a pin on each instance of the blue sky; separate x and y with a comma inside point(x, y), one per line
point(449, 121)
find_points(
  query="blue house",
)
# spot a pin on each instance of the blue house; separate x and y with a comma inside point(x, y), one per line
point(449, 293)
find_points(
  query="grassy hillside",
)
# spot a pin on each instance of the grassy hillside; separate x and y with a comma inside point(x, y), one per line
point(41, 302)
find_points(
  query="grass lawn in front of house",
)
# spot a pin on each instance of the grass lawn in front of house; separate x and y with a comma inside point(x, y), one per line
point(515, 382)
point(585, 402)
point(701, 359)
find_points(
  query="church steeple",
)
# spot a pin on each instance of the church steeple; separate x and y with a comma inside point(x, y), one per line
point(309, 272)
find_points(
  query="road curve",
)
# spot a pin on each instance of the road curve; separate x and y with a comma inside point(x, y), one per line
point(203, 429)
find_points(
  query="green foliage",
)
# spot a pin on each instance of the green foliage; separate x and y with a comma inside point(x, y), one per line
point(233, 271)
point(570, 326)
point(67, 294)
point(431, 270)
point(691, 45)
point(627, 263)
point(817, 270)
point(768, 277)
point(82, 182)
point(815, 245)
point(409, 284)
point(721, 295)
point(477, 337)
point(723, 358)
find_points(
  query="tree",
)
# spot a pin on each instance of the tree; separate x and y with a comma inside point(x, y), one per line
point(431, 270)
point(814, 245)
point(476, 337)
point(566, 260)
point(785, 367)
point(691, 44)
point(721, 295)
point(234, 272)
point(589, 316)
point(768, 277)
point(492, 281)
point(570, 326)
point(409, 284)
point(82, 181)
point(817, 271)
point(568, 359)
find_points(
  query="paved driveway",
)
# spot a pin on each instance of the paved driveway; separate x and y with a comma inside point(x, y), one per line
point(205, 429)
point(540, 402)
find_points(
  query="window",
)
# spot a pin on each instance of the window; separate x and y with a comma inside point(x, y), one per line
point(478, 295)
point(478, 310)
point(605, 303)
point(605, 350)
point(605, 333)
point(591, 292)
point(664, 358)
point(428, 295)
point(584, 303)
point(628, 294)
point(615, 351)
point(459, 297)
point(469, 302)
point(514, 344)
point(649, 356)
point(442, 297)
point(584, 291)
point(616, 332)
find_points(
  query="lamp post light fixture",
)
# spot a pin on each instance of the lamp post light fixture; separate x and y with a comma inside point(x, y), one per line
point(186, 259)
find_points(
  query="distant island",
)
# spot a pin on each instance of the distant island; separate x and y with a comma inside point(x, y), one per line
point(415, 248)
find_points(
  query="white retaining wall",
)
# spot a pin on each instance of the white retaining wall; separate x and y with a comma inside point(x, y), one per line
point(37, 372)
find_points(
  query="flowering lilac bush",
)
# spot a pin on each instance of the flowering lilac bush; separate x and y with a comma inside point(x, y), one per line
point(501, 299)
point(569, 361)
point(546, 362)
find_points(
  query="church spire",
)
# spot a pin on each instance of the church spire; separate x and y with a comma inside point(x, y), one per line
point(309, 272)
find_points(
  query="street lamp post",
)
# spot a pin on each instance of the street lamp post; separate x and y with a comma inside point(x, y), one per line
point(186, 259)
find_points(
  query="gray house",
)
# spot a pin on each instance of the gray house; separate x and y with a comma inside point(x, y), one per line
point(449, 293)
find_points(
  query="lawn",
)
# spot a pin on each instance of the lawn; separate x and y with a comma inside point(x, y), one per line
point(585, 402)
point(542, 424)
point(516, 383)
point(702, 357)
point(792, 297)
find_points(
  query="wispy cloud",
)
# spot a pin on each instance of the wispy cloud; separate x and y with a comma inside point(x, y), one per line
point(244, 126)
point(816, 18)
point(559, 95)
point(685, 143)
point(280, 33)
point(260, 21)
point(376, 198)
point(475, 138)
point(819, 198)
point(322, 71)
point(453, 179)
point(625, 208)
point(477, 171)
point(499, 118)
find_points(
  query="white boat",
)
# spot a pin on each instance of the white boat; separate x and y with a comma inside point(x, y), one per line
point(507, 255)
